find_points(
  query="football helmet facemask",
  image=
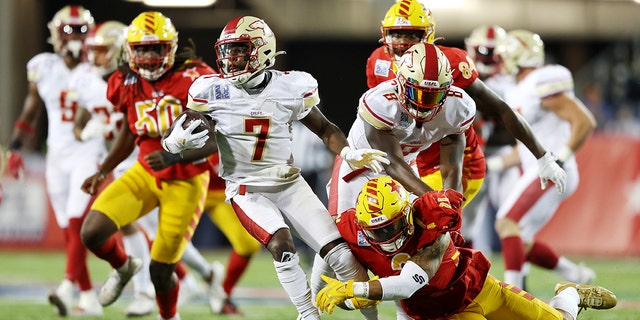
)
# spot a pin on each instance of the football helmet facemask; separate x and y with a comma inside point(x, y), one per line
point(406, 23)
point(151, 44)
point(424, 78)
point(69, 28)
point(246, 47)
point(481, 45)
point(384, 214)
point(107, 37)
point(521, 49)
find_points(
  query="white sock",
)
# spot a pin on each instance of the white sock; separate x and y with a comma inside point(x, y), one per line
point(136, 245)
point(514, 277)
point(294, 281)
point(567, 300)
point(319, 267)
point(567, 270)
point(194, 259)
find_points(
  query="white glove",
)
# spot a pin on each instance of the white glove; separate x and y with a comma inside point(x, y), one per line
point(359, 158)
point(182, 139)
point(495, 164)
point(95, 127)
point(548, 169)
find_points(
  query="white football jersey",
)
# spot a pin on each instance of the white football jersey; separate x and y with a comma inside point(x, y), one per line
point(526, 97)
point(380, 108)
point(253, 131)
point(54, 79)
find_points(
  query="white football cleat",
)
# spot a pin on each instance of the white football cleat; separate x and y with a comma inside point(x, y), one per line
point(176, 317)
point(62, 298)
point(117, 280)
point(216, 293)
point(88, 305)
point(142, 305)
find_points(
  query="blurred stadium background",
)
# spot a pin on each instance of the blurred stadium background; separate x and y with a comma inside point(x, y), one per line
point(598, 40)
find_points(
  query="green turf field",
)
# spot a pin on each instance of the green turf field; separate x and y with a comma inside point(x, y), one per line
point(26, 277)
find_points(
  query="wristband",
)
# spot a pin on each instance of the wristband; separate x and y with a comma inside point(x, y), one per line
point(344, 151)
point(564, 154)
point(361, 289)
point(24, 126)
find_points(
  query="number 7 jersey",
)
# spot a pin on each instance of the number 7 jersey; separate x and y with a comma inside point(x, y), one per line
point(253, 131)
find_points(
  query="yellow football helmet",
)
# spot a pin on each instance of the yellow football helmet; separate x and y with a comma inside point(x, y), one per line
point(406, 16)
point(152, 41)
point(424, 78)
point(108, 36)
point(246, 47)
point(481, 45)
point(69, 28)
point(384, 214)
point(521, 49)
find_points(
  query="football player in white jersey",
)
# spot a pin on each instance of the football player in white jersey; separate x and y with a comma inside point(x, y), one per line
point(68, 160)
point(544, 95)
point(251, 111)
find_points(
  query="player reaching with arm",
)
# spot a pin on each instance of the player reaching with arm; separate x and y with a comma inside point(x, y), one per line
point(408, 22)
point(544, 95)
point(405, 241)
point(151, 91)
point(251, 109)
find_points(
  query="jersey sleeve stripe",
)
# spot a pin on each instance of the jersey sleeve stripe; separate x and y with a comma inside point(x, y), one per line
point(548, 89)
point(375, 120)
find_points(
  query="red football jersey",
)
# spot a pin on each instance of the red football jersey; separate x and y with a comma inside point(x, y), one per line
point(456, 283)
point(381, 67)
point(152, 108)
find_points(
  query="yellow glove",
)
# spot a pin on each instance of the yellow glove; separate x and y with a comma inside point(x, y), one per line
point(334, 293)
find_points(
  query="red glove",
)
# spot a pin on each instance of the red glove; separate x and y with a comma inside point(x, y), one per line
point(455, 198)
point(435, 210)
point(15, 164)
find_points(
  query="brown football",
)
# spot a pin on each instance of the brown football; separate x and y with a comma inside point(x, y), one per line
point(193, 116)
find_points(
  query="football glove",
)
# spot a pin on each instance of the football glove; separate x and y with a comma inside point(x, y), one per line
point(549, 170)
point(95, 127)
point(334, 293)
point(15, 164)
point(360, 158)
point(181, 139)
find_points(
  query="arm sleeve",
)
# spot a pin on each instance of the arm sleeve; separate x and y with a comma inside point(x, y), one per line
point(402, 286)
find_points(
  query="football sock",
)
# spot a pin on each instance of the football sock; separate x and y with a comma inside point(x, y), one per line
point(236, 266)
point(567, 300)
point(513, 255)
point(77, 255)
point(294, 281)
point(112, 252)
point(136, 245)
point(168, 301)
point(344, 263)
point(542, 255)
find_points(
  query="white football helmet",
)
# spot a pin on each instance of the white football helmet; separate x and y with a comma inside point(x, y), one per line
point(69, 28)
point(246, 47)
point(481, 45)
point(521, 49)
point(109, 37)
point(152, 42)
point(424, 77)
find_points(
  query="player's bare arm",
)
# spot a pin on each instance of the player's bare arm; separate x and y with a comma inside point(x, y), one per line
point(398, 168)
point(451, 159)
point(82, 117)
point(489, 103)
point(576, 113)
point(330, 134)
point(32, 104)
